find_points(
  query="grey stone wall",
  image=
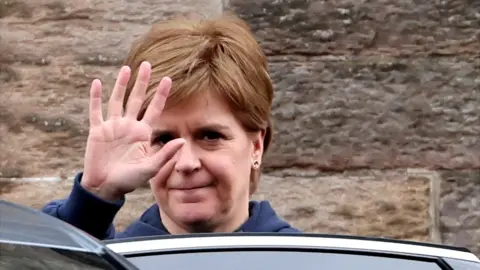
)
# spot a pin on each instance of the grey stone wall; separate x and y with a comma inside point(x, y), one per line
point(376, 112)
point(460, 208)
point(379, 84)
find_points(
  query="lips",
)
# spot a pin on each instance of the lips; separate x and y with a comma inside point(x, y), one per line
point(186, 188)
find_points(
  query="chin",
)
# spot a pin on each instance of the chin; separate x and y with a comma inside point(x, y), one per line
point(194, 213)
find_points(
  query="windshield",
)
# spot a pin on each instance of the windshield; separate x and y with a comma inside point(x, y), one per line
point(278, 260)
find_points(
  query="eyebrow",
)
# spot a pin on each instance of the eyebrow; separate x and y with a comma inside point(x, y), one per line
point(215, 126)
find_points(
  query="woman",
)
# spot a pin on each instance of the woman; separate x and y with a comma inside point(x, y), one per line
point(200, 150)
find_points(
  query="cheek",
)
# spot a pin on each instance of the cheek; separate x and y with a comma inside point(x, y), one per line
point(231, 170)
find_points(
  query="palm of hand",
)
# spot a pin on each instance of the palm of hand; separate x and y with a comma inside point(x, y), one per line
point(119, 150)
point(118, 157)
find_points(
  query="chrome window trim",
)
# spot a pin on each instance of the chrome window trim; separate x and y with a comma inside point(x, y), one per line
point(146, 246)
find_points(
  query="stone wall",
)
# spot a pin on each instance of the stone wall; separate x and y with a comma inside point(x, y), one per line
point(382, 84)
point(364, 91)
point(460, 208)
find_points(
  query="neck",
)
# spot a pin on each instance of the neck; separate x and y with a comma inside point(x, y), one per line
point(229, 223)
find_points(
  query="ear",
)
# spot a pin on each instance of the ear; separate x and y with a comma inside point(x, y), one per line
point(257, 141)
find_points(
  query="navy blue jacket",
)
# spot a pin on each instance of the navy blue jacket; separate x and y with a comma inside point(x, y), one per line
point(94, 215)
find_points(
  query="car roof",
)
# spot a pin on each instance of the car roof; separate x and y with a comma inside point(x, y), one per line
point(27, 226)
point(191, 242)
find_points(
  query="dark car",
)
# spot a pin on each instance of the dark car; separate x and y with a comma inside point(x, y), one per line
point(30, 239)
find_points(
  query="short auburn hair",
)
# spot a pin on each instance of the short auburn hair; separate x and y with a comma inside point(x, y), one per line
point(220, 55)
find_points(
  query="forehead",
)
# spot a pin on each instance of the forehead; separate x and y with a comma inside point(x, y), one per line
point(200, 109)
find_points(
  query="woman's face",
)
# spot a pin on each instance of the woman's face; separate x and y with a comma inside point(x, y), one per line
point(208, 184)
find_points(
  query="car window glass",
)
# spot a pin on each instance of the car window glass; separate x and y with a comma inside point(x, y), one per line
point(278, 260)
point(16, 257)
point(463, 265)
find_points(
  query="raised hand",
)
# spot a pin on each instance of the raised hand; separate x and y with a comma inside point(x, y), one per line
point(118, 158)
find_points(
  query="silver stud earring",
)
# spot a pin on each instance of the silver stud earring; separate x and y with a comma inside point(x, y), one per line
point(256, 164)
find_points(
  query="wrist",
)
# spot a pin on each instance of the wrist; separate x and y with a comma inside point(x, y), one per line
point(108, 195)
point(103, 191)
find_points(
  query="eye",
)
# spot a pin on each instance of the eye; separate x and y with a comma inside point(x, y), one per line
point(210, 135)
point(163, 138)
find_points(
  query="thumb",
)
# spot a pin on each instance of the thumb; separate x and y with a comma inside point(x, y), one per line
point(160, 178)
point(160, 158)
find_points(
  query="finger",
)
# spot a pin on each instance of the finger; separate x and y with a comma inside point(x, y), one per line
point(115, 103)
point(167, 152)
point(135, 100)
point(95, 115)
point(162, 174)
point(157, 104)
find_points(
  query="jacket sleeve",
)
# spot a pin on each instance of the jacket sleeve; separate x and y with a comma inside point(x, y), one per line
point(86, 211)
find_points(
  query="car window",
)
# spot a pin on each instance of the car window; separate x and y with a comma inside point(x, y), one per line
point(16, 257)
point(278, 260)
point(463, 265)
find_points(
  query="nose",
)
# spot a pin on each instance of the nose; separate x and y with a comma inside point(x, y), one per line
point(187, 160)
